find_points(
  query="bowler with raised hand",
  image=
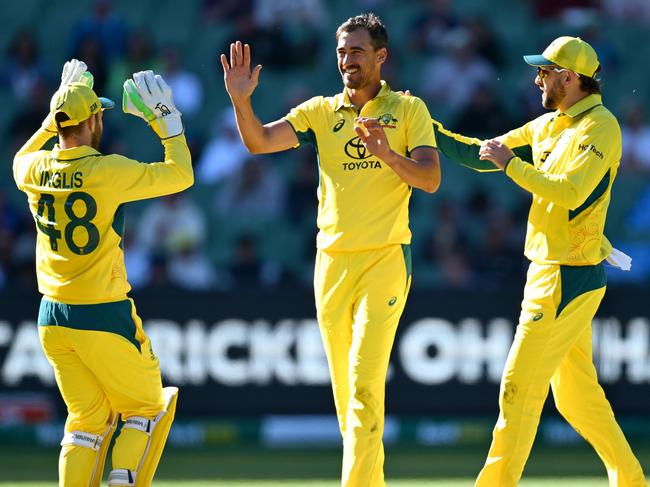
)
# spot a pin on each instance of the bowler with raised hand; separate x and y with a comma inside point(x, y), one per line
point(374, 146)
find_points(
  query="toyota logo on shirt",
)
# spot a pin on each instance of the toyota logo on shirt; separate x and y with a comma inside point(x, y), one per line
point(355, 149)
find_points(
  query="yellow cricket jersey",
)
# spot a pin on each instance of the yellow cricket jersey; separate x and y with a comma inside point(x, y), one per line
point(76, 196)
point(575, 157)
point(363, 203)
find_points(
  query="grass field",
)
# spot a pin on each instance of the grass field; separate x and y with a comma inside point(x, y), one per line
point(254, 466)
point(550, 482)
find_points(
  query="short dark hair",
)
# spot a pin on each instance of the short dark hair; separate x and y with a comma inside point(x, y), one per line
point(590, 85)
point(372, 23)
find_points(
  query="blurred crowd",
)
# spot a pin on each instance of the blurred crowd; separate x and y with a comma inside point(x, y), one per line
point(249, 221)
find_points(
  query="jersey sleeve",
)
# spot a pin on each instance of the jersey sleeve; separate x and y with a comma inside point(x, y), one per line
point(132, 180)
point(419, 132)
point(464, 150)
point(598, 149)
point(461, 149)
point(301, 120)
point(25, 156)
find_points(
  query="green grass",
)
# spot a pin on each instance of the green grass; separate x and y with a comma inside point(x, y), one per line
point(574, 466)
point(549, 482)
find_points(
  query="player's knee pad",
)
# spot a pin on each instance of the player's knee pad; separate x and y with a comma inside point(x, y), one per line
point(157, 430)
point(81, 468)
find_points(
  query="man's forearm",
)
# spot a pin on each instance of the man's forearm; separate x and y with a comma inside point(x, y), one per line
point(250, 127)
point(424, 175)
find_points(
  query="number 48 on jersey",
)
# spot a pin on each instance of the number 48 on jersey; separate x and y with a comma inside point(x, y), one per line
point(46, 221)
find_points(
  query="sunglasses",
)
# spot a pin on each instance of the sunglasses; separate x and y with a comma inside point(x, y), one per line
point(543, 72)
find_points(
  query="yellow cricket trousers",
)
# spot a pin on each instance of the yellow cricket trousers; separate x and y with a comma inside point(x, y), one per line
point(553, 345)
point(360, 297)
point(103, 365)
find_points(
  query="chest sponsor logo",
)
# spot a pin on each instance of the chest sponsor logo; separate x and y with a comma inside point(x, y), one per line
point(339, 125)
point(592, 148)
point(355, 149)
point(351, 166)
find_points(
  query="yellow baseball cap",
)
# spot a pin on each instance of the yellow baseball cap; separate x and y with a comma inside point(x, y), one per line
point(79, 102)
point(570, 53)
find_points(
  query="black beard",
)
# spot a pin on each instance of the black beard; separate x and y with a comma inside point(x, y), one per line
point(554, 96)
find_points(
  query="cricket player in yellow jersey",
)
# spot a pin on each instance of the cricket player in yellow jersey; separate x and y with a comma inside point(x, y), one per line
point(90, 332)
point(373, 146)
point(567, 159)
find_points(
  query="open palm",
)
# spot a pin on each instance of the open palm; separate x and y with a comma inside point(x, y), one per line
point(237, 75)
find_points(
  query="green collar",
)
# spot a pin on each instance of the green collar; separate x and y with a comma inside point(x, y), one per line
point(587, 103)
point(73, 153)
point(343, 100)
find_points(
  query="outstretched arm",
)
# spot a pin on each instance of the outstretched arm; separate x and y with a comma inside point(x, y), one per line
point(240, 84)
point(586, 172)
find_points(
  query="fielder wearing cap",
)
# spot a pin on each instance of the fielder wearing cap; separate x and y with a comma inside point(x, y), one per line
point(570, 53)
point(567, 159)
point(90, 332)
point(77, 102)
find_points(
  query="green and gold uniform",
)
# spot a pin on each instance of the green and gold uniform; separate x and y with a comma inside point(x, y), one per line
point(363, 262)
point(89, 329)
point(568, 161)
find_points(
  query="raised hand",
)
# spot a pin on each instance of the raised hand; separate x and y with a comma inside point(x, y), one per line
point(147, 96)
point(240, 81)
point(496, 152)
point(75, 71)
point(373, 137)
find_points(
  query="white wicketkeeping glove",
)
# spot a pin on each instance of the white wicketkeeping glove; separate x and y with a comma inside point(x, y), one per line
point(148, 96)
point(73, 71)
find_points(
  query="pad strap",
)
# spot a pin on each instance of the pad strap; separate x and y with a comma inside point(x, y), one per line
point(140, 423)
point(121, 476)
point(79, 438)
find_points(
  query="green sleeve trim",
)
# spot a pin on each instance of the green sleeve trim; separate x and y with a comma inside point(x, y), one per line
point(108, 317)
point(410, 151)
point(463, 153)
point(578, 280)
point(466, 153)
point(118, 224)
point(306, 137)
point(599, 190)
point(406, 250)
point(525, 153)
